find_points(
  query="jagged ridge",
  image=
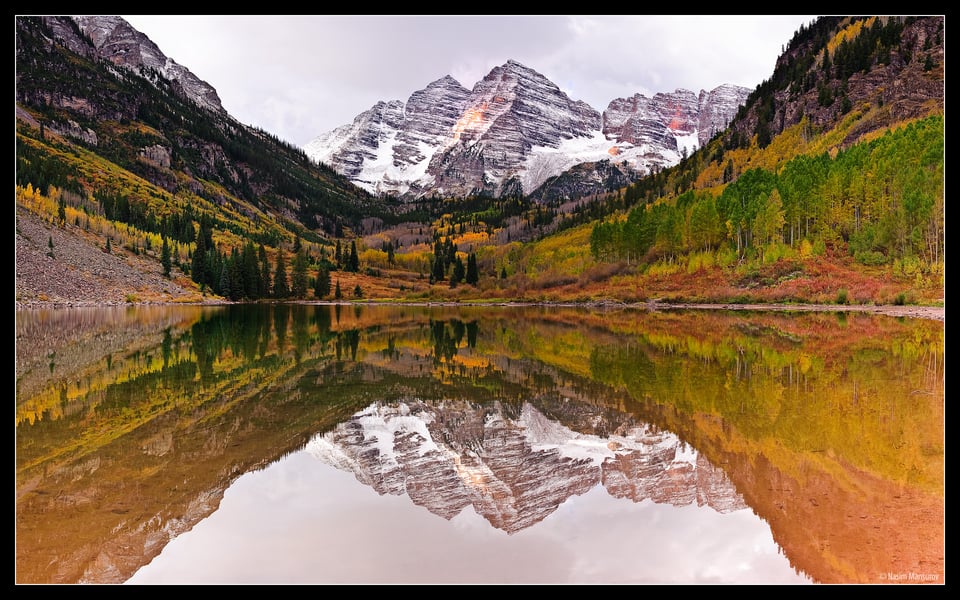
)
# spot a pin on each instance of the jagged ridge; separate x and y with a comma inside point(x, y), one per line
point(514, 131)
point(514, 472)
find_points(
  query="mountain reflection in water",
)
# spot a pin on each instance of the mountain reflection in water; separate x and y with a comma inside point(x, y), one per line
point(602, 446)
point(516, 469)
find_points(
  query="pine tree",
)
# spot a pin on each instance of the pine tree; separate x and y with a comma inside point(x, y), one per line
point(438, 270)
point(338, 256)
point(388, 248)
point(337, 293)
point(264, 286)
point(250, 267)
point(165, 258)
point(224, 284)
point(198, 262)
point(300, 281)
point(451, 253)
point(50, 245)
point(473, 275)
point(322, 288)
point(459, 271)
point(280, 287)
point(109, 249)
point(237, 284)
point(353, 262)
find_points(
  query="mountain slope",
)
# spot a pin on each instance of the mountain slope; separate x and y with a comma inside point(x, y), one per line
point(108, 88)
point(393, 142)
point(839, 63)
point(826, 188)
point(117, 41)
point(512, 132)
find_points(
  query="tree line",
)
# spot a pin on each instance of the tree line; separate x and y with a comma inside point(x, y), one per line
point(882, 199)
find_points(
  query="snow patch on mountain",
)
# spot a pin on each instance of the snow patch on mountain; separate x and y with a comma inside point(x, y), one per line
point(514, 125)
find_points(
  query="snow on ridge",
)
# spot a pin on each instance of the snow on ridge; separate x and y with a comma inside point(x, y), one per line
point(328, 452)
point(543, 434)
point(382, 424)
point(384, 170)
point(544, 162)
point(689, 142)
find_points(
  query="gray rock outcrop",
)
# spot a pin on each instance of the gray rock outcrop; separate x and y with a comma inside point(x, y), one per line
point(515, 128)
point(514, 470)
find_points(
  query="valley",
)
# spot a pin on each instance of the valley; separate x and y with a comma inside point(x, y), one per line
point(142, 189)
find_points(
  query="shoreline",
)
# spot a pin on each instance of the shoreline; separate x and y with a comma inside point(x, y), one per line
point(936, 313)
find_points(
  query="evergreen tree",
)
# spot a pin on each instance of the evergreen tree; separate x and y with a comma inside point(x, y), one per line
point(109, 249)
point(299, 278)
point(62, 208)
point(388, 248)
point(338, 256)
point(503, 272)
point(212, 268)
point(353, 261)
point(235, 267)
point(165, 258)
point(473, 274)
point(264, 285)
point(438, 271)
point(728, 171)
point(280, 288)
point(450, 251)
point(458, 270)
point(322, 288)
point(199, 262)
point(224, 285)
point(357, 291)
point(50, 245)
point(250, 268)
point(337, 293)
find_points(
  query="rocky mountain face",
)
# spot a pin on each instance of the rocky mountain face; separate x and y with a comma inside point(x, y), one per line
point(679, 121)
point(117, 41)
point(582, 180)
point(515, 469)
point(386, 145)
point(892, 63)
point(100, 83)
point(512, 133)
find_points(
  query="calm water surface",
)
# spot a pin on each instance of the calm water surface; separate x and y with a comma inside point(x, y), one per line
point(385, 444)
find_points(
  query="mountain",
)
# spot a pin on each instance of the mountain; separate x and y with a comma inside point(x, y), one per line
point(512, 133)
point(839, 66)
point(680, 121)
point(387, 141)
point(117, 41)
point(825, 187)
point(514, 470)
point(97, 82)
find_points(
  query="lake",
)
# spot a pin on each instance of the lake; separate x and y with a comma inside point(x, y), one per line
point(381, 444)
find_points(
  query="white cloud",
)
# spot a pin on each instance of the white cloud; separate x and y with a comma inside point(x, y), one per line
point(299, 76)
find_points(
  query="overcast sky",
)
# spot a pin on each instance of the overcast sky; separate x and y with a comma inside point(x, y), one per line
point(299, 76)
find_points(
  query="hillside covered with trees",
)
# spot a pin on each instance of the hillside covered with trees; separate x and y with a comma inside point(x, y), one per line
point(828, 187)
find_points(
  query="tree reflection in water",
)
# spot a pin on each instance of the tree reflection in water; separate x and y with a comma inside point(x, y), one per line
point(830, 437)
